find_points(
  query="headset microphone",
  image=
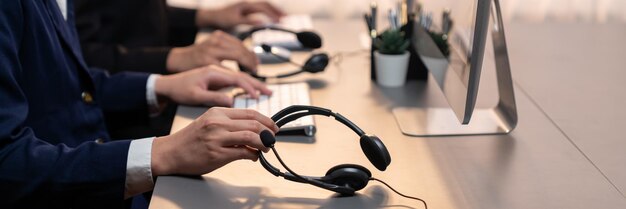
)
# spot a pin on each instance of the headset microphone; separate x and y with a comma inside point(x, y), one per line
point(344, 179)
point(267, 138)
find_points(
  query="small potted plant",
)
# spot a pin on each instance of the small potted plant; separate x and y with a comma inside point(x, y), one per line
point(392, 58)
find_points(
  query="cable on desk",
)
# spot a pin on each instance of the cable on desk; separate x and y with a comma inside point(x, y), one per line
point(338, 57)
point(371, 179)
point(403, 195)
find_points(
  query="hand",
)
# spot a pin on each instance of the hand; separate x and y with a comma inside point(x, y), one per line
point(236, 14)
point(218, 137)
point(193, 87)
point(219, 46)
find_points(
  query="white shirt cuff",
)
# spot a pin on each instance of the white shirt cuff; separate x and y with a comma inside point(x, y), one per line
point(138, 167)
point(150, 94)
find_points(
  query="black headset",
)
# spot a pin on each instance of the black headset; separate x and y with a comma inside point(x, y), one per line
point(315, 64)
point(344, 179)
point(308, 39)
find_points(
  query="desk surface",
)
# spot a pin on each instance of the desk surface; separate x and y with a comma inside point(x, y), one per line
point(576, 77)
point(535, 166)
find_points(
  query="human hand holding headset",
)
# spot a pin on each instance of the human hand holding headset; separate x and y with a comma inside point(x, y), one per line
point(344, 179)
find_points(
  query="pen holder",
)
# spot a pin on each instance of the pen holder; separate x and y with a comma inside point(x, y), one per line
point(417, 70)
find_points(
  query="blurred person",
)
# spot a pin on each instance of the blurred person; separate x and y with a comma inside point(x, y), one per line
point(150, 36)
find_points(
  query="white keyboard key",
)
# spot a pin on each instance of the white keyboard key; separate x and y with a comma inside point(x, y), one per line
point(284, 95)
point(263, 103)
point(240, 103)
point(252, 104)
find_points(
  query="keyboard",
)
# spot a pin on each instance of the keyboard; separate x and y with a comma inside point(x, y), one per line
point(284, 95)
point(282, 39)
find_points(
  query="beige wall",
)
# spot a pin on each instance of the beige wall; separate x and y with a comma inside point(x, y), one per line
point(513, 10)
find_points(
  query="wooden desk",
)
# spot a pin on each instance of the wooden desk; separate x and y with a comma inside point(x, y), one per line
point(536, 166)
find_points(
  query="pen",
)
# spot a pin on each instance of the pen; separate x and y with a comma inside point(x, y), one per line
point(446, 22)
point(373, 14)
point(368, 21)
point(393, 19)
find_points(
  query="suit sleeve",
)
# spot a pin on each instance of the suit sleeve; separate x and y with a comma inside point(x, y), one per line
point(114, 57)
point(118, 58)
point(180, 17)
point(89, 174)
point(125, 91)
point(182, 26)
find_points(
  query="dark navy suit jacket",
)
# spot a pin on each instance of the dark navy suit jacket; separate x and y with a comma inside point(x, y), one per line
point(51, 108)
point(132, 35)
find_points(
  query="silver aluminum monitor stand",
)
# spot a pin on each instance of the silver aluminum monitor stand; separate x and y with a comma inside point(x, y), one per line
point(500, 119)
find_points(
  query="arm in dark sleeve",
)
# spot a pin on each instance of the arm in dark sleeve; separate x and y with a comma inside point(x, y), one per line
point(118, 58)
point(181, 17)
point(120, 92)
point(109, 55)
point(60, 176)
point(182, 26)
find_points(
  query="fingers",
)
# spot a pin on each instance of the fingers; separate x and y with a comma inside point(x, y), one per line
point(240, 152)
point(239, 54)
point(265, 8)
point(251, 85)
point(244, 114)
point(247, 138)
point(247, 86)
point(259, 85)
point(212, 98)
point(242, 55)
point(221, 77)
point(247, 125)
point(227, 47)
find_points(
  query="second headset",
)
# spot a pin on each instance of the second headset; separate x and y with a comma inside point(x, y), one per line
point(315, 64)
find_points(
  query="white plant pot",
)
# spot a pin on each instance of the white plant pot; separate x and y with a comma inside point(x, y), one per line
point(391, 68)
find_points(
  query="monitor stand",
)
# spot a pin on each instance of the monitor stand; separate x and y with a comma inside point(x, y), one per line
point(501, 119)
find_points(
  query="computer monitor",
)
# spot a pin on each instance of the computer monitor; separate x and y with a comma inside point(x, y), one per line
point(454, 56)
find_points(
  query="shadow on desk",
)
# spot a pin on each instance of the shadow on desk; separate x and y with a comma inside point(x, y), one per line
point(223, 195)
point(478, 167)
point(474, 168)
point(412, 94)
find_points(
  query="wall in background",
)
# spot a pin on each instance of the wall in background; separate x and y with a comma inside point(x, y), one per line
point(599, 11)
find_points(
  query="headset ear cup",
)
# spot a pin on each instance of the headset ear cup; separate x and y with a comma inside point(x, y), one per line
point(317, 63)
point(375, 151)
point(348, 175)
point(309, 39)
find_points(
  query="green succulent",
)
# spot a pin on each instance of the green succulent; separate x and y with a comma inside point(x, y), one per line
point(392, 42)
